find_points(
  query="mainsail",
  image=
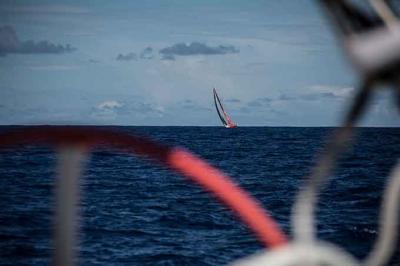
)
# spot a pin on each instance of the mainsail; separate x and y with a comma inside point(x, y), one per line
point(225, 119)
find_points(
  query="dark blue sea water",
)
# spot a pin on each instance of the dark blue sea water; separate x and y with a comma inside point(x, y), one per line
point(137, 213)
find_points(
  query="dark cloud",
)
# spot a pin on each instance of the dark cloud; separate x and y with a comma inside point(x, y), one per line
point(127, 57)
point(310, 96)
point(10, 44)
point(245, 109)
point(233, 100)
point(255, 104)
point(168, 57)
point(321, 95)
point(267, 102)
point(264, 101)
point(284, 97)
point(195, 48)
point(147, 53)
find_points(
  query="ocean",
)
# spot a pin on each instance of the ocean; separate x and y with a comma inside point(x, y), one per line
point(135, 212)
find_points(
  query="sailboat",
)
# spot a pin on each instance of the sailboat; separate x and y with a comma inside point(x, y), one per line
point(225, 118)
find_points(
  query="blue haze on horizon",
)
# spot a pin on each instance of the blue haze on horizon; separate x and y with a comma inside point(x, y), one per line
point(274, 63)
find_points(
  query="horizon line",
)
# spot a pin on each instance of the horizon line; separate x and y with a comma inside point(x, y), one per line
point(246, 126)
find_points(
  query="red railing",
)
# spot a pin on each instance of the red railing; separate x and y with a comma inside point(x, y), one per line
point(74, 142)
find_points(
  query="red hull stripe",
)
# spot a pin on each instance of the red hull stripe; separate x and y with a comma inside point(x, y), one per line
point(246, 207)
point(184, 162)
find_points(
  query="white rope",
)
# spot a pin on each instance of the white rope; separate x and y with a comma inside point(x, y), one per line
point(307, 250)
point(303, 222)
point(384, 12)
point(314, 252)
point(320, 253)
point(388, 222)
point(67, 200)
point(303, 212)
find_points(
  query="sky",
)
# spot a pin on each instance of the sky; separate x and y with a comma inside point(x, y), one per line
point(274, 63)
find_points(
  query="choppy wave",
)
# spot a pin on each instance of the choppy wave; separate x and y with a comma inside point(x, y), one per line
point(137, 213)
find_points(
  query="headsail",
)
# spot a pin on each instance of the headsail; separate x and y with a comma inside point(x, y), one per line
point(225, 119)
point(218, 106)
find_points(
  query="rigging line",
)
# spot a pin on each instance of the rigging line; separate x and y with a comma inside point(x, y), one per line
point(194, 168)
point(388, 222)
point(303, 212)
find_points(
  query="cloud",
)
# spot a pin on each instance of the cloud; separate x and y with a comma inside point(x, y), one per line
point(147, 53)
point(191, 105)
point(314, 93)
point(195, 48)
point(107, 110)
point(44, 9)
point(233, 100)
point(53, 67)
point(168, 57)
point(320, 93)
point(109, 105)
point(285, 97)
point(10, 44)
point(127, 57)
point(111, 109)
point(259, 102)
point(335, 91)
point(319, 96)
point(141, 108)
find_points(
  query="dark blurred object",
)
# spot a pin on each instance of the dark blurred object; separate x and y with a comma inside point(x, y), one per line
point(371, 37)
